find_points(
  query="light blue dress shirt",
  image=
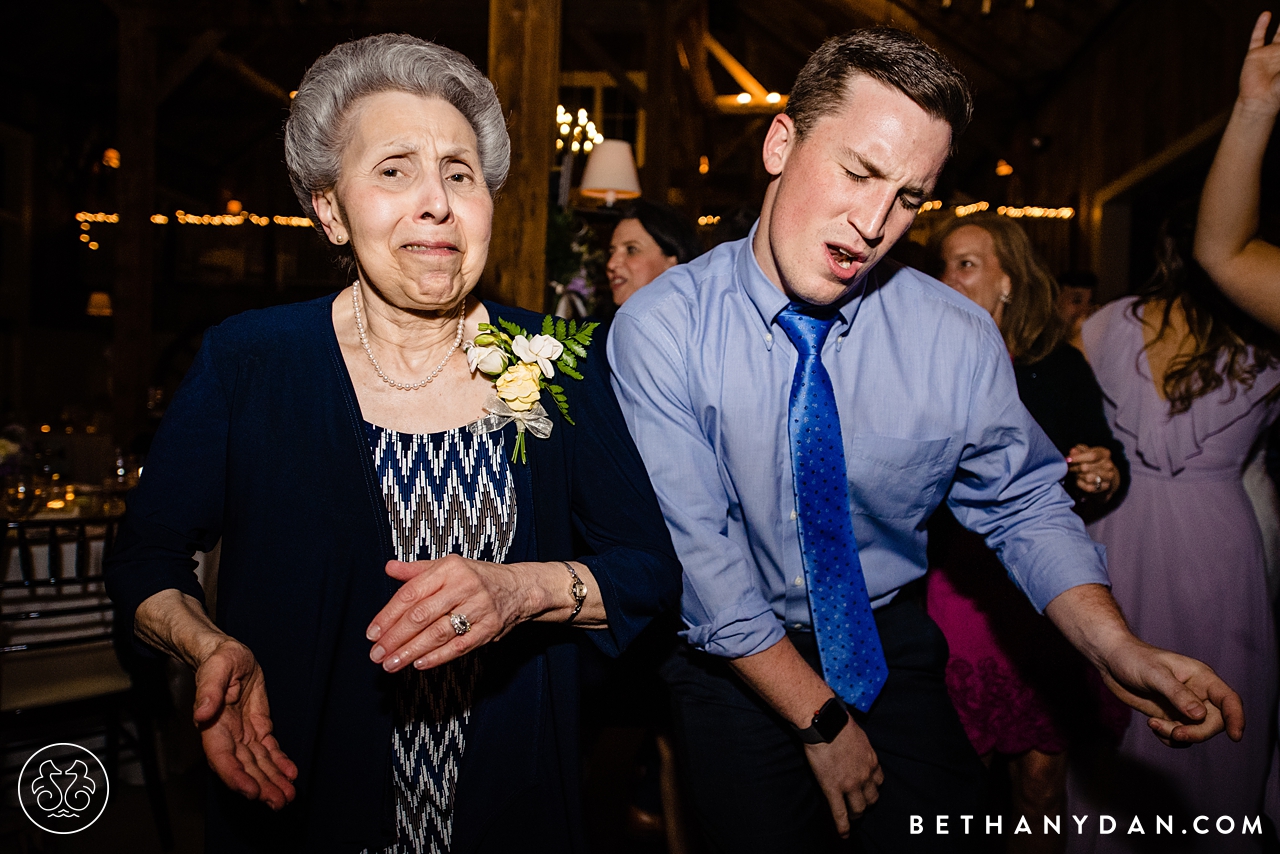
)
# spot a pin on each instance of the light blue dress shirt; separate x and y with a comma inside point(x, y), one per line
point(927, 402)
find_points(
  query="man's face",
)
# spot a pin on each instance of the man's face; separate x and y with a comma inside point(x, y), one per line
point(847, 191)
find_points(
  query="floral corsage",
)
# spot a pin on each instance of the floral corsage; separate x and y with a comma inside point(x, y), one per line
point(522, 365)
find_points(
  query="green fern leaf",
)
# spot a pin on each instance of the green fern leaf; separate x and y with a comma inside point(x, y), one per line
point(567, 360)
point(561, 329)
point(573, 346)
point(570, 372)
point(573, 327)
point(512, 329)
point(547, 325)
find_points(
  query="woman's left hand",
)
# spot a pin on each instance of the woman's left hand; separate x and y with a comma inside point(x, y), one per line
point(1094, 471)
point(415, 626)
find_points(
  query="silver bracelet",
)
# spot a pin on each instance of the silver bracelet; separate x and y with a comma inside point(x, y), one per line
point(577, 589)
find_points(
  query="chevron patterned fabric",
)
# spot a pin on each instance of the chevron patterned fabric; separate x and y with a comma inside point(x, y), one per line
point(446, 493)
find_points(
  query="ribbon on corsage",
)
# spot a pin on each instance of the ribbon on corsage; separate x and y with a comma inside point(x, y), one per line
point(535, 420)
point(522, 366)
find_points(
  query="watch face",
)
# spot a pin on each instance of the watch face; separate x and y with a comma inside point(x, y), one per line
point(830, 720)
point(579, 590)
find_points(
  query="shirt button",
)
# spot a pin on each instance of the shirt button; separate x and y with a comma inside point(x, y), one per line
point(793, 515)
point(768, 337)
point(799, 582)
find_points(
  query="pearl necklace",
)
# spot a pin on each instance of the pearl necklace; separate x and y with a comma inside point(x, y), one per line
point(364, 342)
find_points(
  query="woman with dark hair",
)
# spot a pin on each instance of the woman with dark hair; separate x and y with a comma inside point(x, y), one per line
point(1190, 383)
point(1015, 681)
point(649, 239)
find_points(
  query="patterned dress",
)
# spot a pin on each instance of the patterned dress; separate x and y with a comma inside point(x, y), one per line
point(446, 493)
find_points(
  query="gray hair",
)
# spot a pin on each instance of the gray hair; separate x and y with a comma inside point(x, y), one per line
point(316, 133)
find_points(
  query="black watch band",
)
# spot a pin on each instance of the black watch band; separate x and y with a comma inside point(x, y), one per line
point(827, 723)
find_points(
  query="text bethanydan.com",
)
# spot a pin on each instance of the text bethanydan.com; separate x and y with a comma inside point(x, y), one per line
point(1158, 825)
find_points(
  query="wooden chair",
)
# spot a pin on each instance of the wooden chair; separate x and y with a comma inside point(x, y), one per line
point(59, 669)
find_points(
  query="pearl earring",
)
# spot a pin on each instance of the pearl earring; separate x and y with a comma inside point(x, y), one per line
point(341, 238)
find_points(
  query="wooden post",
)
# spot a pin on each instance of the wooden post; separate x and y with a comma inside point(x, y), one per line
point(660, 105)
point(524, 65)
point(132, 300)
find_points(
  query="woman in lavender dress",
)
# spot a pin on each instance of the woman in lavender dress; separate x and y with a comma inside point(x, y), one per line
point(1189, 383)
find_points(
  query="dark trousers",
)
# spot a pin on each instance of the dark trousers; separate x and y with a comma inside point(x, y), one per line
point(750, 788)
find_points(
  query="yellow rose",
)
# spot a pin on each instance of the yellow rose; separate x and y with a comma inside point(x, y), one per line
point(519, 386)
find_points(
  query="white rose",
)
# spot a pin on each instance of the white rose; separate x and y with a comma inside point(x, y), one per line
point(487, 360)
point(542, 349)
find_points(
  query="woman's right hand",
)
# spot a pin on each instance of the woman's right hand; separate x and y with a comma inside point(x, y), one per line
point(1260, 76)
point(234, 719)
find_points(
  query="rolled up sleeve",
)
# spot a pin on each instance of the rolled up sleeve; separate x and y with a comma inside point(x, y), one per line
point(723, 607)
point(1008, 489)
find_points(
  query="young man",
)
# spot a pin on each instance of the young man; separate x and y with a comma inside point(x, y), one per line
point(802, 411)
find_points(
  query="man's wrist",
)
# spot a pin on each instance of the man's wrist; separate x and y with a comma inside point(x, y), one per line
point(827, 723)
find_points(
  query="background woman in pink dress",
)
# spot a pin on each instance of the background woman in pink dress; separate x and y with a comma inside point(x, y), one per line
point(1190, 383)
point(1015, 681)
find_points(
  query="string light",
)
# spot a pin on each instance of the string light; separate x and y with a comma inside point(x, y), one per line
point(772, 98)
point(1036, 212)
point(744, 98)
point(578, 131)
point(704, 165)
point(965, 210)
point(708, 220)
point(85, 217)
point(1029, 212)
point(1003, 169)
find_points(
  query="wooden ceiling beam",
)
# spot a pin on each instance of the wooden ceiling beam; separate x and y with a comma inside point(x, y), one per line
point(247, 73)
point(601, 57)
point(200, 50)
point(878, 12)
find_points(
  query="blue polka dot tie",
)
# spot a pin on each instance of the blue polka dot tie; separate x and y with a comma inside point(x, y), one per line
point(848, 643)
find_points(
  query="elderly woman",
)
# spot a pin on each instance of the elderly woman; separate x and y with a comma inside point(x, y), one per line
point(1014, 680)
point(387, 510)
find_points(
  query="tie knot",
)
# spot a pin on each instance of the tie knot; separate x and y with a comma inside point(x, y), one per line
point(807, 326)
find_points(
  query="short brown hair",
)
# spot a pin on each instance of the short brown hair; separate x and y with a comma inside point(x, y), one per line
point(1030, 326)
point(890, 56)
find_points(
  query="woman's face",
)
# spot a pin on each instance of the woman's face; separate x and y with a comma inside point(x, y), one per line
point(412, 200)
point(635, 260)
point(971, 267)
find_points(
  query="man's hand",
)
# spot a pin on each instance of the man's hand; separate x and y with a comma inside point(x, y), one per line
point(848, 773)
point(1185, 701)
point(234, 720)
point(847, 769)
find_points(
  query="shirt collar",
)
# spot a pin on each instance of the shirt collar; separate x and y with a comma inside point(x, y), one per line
point(768, 299)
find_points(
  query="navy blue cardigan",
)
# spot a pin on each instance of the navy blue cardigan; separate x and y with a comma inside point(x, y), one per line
point(263, 446)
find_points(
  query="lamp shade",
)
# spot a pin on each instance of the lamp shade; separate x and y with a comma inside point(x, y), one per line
point(611, 172)
point(99, 304)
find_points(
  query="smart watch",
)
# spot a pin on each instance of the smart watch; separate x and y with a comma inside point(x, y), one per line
point(827, 723)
